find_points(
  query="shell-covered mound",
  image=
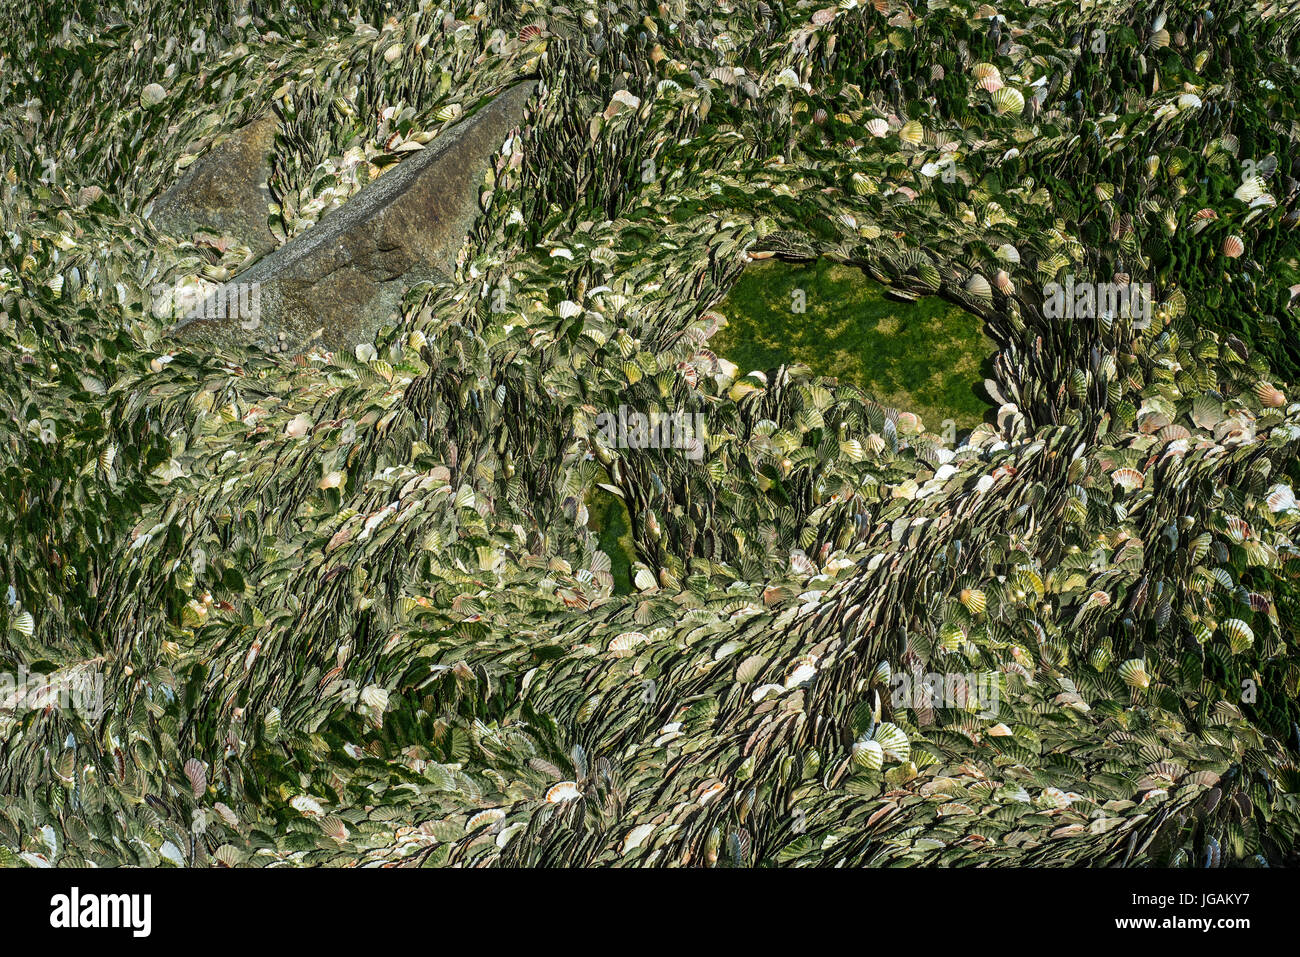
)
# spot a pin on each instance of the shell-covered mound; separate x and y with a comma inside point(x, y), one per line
point(352, 606)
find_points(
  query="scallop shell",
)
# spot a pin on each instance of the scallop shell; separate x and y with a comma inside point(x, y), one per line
point(305, 804)
point(484, 818)
point(801, 565)
point(1127, 478)
point(893, 741)
point(974, 600)
point(1269, 396)
point(197, 772)
point(1239, 634)
point(1281, 499)
point(978, 287)
point(1134, 673)
point(1233, 247)
point(1008, 100)
point(868, 755)
point(1202, 218)
point(152, 95)
point(623, 644)
point(564, 791)
point(912, 132)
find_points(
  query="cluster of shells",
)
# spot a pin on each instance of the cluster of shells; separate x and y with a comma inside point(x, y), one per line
point(488, 636)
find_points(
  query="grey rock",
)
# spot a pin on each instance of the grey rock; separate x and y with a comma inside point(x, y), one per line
point(338, 283)
point(225, 190)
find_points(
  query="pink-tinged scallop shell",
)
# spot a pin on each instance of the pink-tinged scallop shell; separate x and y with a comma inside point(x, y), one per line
point(1281, 498)
point(801, 564)
point(1238, 529)
point(990, 83)
point(706, 358)
point(1172, 433)
point(1269, 397)
point(530, 32)
point(1233, 247)
point(1203, 218)
point(1127, 478)
point(877, 128)
point(1152, 422)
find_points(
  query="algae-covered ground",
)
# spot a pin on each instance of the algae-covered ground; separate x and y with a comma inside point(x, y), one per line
point(926, 357)
point(343, 607)
point(609, 521)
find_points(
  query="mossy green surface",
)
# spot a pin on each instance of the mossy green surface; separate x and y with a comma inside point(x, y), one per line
point(608, 518)
point(927, 357)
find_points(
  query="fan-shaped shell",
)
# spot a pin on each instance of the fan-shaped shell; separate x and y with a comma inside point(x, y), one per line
point(1134, 673)
point(1269, 396)
point(1008, 100)
point(1127, 478)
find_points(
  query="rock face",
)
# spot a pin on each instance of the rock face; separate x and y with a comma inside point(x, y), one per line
point(335, 285)
point(225, 191)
